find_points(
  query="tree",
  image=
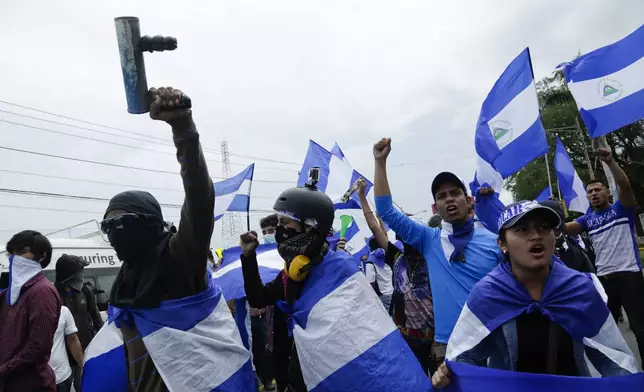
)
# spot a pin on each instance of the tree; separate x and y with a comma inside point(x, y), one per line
point(559, 113)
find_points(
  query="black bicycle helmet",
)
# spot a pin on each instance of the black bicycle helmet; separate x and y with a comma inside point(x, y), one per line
point(307, 203)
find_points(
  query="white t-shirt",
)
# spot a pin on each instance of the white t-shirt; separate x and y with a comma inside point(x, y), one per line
point(58, 360)
point(382, 275)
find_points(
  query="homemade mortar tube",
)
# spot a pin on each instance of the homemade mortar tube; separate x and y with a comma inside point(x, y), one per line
point(131, 48)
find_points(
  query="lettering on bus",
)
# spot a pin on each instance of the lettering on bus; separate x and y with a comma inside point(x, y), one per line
point(99, 259)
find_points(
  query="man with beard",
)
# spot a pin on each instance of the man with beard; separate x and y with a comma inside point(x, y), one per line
point(459, 254)
point(611, 228)
point(80, 301)
point(172, 323)
point(344, 338)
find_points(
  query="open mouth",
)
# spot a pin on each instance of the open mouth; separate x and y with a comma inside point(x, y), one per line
point(537, 251)
point(594, 199)
point(452, 209)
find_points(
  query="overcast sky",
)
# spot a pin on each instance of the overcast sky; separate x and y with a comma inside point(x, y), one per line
point(266, 76)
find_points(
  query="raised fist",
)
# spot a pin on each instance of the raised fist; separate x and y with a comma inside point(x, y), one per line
point(248, 242)
point(362, 186)
point(168, 104)
point(605, 155)
point(382, 149)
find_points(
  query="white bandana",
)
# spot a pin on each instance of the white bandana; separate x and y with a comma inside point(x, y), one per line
point(21, 270)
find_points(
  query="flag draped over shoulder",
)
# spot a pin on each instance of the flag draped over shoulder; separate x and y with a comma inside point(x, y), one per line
point(574, 301)
point(344, 338)
point(193, 341)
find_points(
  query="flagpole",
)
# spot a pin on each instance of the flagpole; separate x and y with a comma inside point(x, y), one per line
point(563, 202)
point(250, 187)
point(548, 171)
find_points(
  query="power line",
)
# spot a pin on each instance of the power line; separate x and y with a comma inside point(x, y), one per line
point(108, 183)
point(114, 143)
point(50, 209)
point(117, 165)
point(138, 134)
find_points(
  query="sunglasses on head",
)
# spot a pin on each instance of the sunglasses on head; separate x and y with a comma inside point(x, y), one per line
point(121, 221)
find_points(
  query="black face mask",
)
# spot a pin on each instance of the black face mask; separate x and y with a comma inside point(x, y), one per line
point(284, 233)
point(132, 235)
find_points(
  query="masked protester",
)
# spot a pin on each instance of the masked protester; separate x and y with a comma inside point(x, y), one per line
point(29, 313)
point(160, 293)
point(411, 300)
point(81, 302)
point(533, 314)
point(330, 304)
point(458, 254)
point(269, 225)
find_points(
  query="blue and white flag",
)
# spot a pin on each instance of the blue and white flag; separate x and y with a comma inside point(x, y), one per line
point(233, 194)
point(608, 86)
point(544, 194)
point(229, 274)
point(509, 133)
point(345, 339)
point(336, 174)
point(352, 230)
point(572, 189)
point(485, 174)
point(572, 300)
point(193, 342)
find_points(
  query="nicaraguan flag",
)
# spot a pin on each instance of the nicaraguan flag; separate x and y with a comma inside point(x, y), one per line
point(573, 300)
point(544, 194)
point(352, 230)
point(485, 174)
point(572, 189)
point(345, 339)
point(336, 174)
point(608, 85)
point(233, 194)
point(229, 274)
point(193, 341)
point(509, 133)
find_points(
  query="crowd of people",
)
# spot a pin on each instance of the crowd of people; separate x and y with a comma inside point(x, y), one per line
point(531, 293)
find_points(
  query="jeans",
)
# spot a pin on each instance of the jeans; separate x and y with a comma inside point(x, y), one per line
point(66, 385)
point(386, 302)
point(627, 289)
point(262, 363)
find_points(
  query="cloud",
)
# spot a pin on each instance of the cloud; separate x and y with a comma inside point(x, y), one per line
point(266, 77)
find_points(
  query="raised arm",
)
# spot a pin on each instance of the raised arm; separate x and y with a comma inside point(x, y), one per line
point(372, 221)
point(258, 294)
point(411, 232)
point(625, 193)
point(191, 243)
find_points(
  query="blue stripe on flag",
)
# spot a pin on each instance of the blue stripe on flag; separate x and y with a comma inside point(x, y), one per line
point(565, 172)
point(522, 150)
point(358, 374)
point(316, 156)
point(242, 380)
point(232, 184)
point(609, 118)
point(240, 319)
point(544, 194)
point(608, 59)
point(475, 378)
point(240, 203)
point(107, 372)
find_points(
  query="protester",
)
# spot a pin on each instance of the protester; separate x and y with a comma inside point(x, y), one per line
point(65, 339)
point(435, 221)
point(458, 254)
point(344, 338)
point(567, 248)
point(29, 312)
point(533, 314)
point(80, 301)
point(411, 301)
point(172, 324)
point(379, 273)
point(611, 228)
point(268, 225)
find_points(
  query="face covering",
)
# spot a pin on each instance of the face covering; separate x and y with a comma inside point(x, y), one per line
point(291, 243)
point(270, 239)
point(76, 281)
point(21, 270)
point(133, 239)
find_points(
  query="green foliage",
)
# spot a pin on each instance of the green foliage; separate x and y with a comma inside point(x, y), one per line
point(559, 113)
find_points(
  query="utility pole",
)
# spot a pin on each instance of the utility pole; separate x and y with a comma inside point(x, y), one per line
point(231, 224)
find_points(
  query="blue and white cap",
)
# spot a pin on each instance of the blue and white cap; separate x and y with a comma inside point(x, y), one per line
point(514, 212)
